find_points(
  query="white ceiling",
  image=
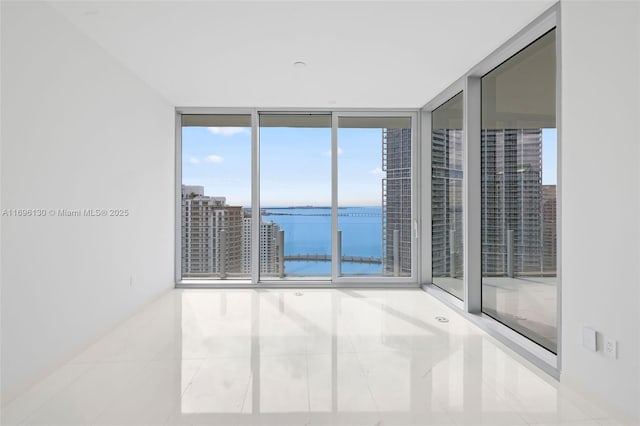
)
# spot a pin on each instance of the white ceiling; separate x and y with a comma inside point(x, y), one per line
point(241, 53)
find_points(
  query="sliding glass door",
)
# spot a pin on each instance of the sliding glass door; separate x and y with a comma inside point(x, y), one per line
point(374, 212)
point(447, 196)
point(295, 196)
point(519, 178)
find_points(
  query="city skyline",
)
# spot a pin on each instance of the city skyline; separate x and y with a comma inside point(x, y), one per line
point(389, 185)
point(216, 240)
point(220, 157)
point(216, 237)
point(216, 231)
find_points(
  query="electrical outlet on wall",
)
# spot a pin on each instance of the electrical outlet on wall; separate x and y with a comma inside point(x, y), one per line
point(611, 348)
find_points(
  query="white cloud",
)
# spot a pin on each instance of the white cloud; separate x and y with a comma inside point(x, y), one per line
point(194, 160)
point(214, 159)
point(340, 151)
point(229, 131)
point(377, 171)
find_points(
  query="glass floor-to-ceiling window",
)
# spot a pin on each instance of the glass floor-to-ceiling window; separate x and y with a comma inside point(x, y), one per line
point(447, 163)
point(518, 220)
point(374, 216)
point(295, 196)
point(318, 196)
point(215, 196)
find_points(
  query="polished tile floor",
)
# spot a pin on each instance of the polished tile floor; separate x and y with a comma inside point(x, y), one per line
point(525, 304)
point(299, 357)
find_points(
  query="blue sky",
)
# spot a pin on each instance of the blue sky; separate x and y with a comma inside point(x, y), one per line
point(296, 164)
point(220, 160)
point(549, 157)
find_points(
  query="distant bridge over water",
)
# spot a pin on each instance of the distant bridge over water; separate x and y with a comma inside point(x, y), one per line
point(327, 258)
point(347, 214)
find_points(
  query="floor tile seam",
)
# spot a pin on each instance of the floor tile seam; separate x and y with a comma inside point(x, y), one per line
point(394, 351)
point(247, 356)
point(158, 356)
point(464, 415)
point(280, 355)
point(135, 382)
point(526, 411)
point(366, 378)
point(113, 361)
point(246, 392)
point(523, 406)
point(191, 379)
point(514, 402)
point(93, 416)
point(602, 418)
point(580, 400)
point(306, 362)
point(319, 353)
point(167, 419)
point(136, 359)
point(52, 396)
point(350, 338)
point(512, 409)
point(183, 358)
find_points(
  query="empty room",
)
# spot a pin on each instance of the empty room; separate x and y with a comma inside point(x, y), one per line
point(320, 212)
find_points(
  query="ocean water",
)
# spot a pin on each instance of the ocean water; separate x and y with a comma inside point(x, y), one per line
point(308, 231)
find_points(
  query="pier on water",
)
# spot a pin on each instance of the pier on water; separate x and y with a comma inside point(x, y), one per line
point(341, 214)
point(327, 258)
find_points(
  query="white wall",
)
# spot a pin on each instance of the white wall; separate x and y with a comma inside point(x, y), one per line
point(600, 196)
point(78, 131)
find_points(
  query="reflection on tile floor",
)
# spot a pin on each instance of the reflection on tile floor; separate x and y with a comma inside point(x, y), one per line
point(525, 304)
point(291, 357)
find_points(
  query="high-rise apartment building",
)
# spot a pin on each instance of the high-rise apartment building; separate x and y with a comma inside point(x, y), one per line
point(549, 230)
point(269, 245)
point(211, 234)
point(512, 201)
point(396, 201)
point(246, 242)
point(447, 198)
